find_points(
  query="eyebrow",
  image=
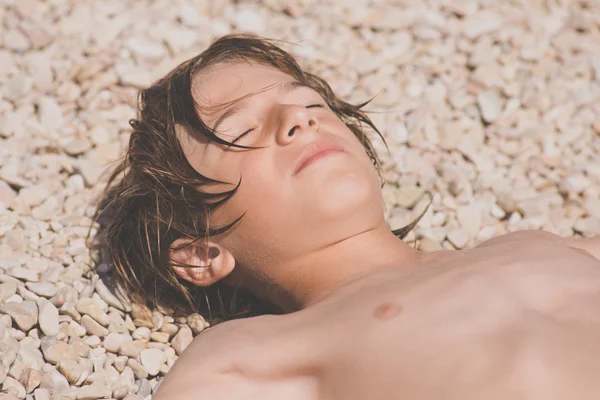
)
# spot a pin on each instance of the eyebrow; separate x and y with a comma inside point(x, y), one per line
point(241, 105)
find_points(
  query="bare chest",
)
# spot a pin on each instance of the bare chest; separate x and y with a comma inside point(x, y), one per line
point(466, 317)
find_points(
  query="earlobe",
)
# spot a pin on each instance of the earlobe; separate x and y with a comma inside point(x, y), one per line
point(209, 262)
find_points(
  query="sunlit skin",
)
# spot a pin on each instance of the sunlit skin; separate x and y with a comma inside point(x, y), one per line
point(366, 315)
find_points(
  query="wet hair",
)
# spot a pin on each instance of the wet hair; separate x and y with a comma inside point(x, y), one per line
point(154, 196)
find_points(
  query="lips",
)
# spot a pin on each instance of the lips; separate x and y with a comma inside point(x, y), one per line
point(315, 150)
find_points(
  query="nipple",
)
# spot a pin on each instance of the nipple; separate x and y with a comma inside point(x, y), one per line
point(387, 311)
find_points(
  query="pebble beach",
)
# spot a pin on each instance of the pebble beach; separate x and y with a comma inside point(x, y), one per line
point(490, 110)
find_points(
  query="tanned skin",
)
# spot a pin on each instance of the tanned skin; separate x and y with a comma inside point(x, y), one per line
point(367, 316)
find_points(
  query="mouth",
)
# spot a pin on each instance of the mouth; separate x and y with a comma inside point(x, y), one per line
point(315, 151)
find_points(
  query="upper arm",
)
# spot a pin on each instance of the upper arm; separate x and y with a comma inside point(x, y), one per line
point(589, 244)
point(206, 368)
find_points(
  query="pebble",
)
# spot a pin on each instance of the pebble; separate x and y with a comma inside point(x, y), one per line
point(93, 327)
point(161, 337)
point(48, 317)
point(490, 104)
point(109, 297)
point(24, 274)
point(459, 237)
point(89, 307)
point(142, 333)
point(30, 379)
point(182, 340)
point(77, 146)
point(70, 369)
point(45, 289)
point(13, 387)
point(408, 196)
point(469, 218)
point(249, 21)
point(17, 87)
point(24, 314)
point(481, 23)
point(130, 349)
point(51, 116)
point(197, 323)
point(94, 391)
point(34, 195)
point(7, 194)
point(152, 360)
point(138, 369)
point(113, 341)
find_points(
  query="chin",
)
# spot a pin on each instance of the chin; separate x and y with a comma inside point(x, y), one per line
point(348, 194)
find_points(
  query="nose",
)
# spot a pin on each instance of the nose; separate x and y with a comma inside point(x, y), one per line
point(295, 120)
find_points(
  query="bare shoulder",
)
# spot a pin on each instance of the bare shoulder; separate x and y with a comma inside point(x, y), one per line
point(208, 359)
point(238, 359)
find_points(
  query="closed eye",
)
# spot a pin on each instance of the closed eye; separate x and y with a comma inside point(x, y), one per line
point(319, 105)
point(241, 136)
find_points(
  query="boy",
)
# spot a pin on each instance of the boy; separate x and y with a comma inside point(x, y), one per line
point(244, 171)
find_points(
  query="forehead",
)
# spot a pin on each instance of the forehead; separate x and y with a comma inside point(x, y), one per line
point(223, 83)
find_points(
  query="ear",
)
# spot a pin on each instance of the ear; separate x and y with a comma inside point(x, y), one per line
point(211, 262)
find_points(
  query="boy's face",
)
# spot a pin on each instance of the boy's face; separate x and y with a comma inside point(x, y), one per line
point(288, 214)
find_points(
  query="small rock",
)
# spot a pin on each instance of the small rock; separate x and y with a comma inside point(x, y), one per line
point(57, 351)
point(130, 349)
point(144, 387)
point(137, 368)
point(196, 322)
point(45, 289)
point(169, 329)
point(24, 314)
point(88, 171)
point(17, 87)
point(459, 237)
point(145, 48)
point(31, 357)
point(408, 196)
point(25, 274)
point(113, 341)
point(70, 369)
point(249, 21)
point(34, 195)
point(182, 340)
point(142, 333)
point(120, 363)
point(152, 360)
point(469, 218)
point(7, 194)
point(89, 307)
point(93, 327)
point(160, 337)
point(12, 386)
point(481, 23)
point(157, 319)
point(77, 146)
point(48, 317)
point(108, 296)
point(46, 210)
point(14, 39)
point(41, 394)
point(490, 104)
point(30, 379)
point(7, 289)
point(94, 391)
point(120, 392)
point(51, 116)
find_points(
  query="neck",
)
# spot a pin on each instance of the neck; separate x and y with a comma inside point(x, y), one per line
point(312, 277)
